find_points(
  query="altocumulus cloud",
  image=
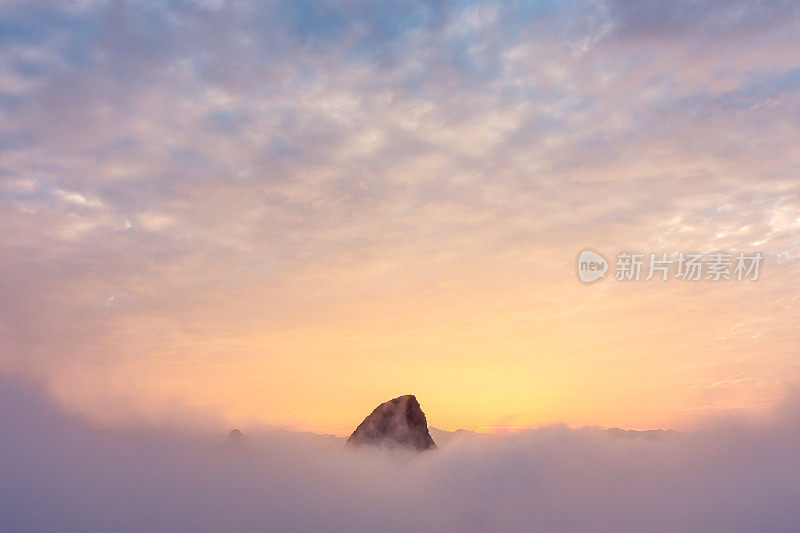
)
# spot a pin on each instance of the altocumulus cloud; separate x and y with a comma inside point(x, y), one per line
point(60, 474)
point(148, 147)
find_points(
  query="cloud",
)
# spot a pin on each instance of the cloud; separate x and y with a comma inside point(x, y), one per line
point(258, 169)
point(59, 473)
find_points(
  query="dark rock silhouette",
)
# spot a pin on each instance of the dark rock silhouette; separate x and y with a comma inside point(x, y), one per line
point(235, 440)
point(396, 423)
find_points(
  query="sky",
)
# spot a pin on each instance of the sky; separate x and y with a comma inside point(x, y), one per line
point(281, 214)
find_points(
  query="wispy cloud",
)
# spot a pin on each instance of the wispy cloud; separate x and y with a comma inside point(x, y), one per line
point(259, 169)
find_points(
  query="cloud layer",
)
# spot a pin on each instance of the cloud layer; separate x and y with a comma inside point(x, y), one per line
point(59, 474)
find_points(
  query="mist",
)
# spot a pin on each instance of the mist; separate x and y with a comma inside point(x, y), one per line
point(59, 473)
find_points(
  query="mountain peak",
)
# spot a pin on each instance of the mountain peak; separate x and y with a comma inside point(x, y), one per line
point(236, 439)
point(397, 423)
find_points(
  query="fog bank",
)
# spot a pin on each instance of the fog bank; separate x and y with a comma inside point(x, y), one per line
point(59, 474)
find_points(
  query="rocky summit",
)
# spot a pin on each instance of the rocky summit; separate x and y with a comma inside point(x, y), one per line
point(396, 423)
point(235, 441)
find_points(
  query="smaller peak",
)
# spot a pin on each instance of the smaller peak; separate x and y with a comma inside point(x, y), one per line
point(235, 437)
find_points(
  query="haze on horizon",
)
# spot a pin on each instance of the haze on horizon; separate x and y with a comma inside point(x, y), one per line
point(282, 213)
point(58, 473)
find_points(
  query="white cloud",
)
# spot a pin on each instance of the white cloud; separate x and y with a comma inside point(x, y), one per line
point(75, 198)
point(58, 474)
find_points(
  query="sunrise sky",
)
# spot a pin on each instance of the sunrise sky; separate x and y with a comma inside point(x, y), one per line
point(284, 213)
